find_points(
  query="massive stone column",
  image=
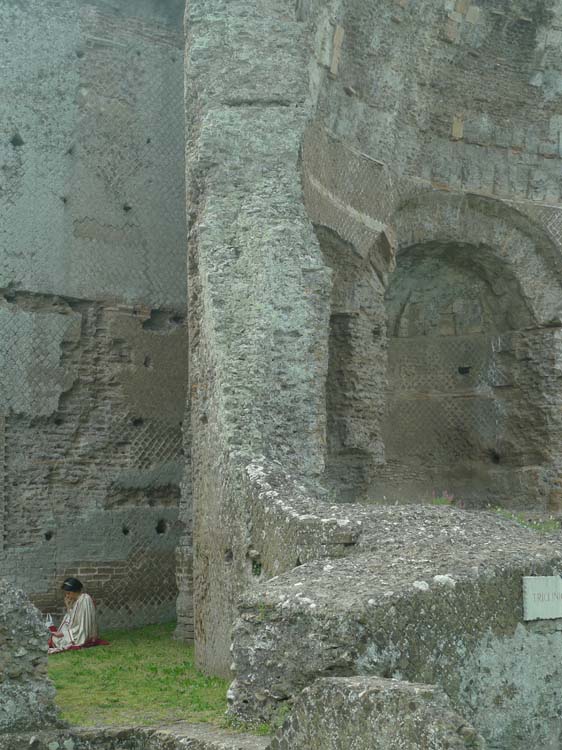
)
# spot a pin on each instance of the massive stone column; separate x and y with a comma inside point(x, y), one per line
point(258, 288)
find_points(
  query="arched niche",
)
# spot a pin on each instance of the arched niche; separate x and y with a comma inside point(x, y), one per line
point(472, 404)
point(463, 412)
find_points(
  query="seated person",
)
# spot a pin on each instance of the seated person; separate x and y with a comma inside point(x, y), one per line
point(79, 626)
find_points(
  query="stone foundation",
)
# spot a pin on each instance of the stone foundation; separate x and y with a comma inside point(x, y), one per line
point(427, 595)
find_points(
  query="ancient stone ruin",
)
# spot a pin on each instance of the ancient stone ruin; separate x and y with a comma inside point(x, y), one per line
point(370, 316)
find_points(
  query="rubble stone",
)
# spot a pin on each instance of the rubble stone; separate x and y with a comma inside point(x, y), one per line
point(27, 697)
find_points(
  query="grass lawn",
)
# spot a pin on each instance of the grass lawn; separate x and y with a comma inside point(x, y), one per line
point(144, 677)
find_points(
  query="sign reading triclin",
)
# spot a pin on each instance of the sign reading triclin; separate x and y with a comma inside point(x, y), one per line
point(542, 597)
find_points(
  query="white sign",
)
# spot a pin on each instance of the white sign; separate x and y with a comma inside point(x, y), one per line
point(542, 597)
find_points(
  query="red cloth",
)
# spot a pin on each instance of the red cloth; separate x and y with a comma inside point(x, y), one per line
point(89, 644)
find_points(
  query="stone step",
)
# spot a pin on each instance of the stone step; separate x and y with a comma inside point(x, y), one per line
point(177, 736)
point(205, 737)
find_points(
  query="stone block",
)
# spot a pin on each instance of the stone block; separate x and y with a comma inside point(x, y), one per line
point(367, 713)
point(432, 616)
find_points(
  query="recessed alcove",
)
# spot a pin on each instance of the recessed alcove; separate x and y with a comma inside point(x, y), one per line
point(436, 385)
point(356, 369)
point(463, 410)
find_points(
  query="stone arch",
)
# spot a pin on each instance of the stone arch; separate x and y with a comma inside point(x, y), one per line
point(514, 238)
point(472, 403)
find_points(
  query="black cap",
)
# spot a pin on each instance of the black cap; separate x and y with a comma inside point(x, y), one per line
point(72, 584)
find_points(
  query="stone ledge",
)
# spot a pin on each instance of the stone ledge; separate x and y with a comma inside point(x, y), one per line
point(425, 594)
point(412, 542)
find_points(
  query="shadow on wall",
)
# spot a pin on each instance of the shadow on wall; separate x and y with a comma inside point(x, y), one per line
point(356, 368)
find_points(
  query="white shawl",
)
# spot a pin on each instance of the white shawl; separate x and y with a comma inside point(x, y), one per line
point(78, 625)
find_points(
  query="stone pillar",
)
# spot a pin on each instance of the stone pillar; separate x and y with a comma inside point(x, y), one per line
point(258, 288)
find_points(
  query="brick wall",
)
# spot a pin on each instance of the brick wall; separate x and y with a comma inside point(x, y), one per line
point(92, 301)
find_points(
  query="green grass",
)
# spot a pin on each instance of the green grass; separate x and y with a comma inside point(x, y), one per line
point(144, 677)
point(541, 525)
point(442, 501)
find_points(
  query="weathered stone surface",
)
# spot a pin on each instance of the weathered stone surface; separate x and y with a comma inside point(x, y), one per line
point(427, 172)
point(243, 173)
point(176, 737)
point(321, 160)
point(90, 484)
point(27, 697)
point(366, 713)
point(425, 594)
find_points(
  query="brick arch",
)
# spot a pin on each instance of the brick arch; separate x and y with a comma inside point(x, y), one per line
point(515, 239)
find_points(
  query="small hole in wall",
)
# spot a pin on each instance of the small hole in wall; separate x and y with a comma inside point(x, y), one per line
point(495, 456)
point(70, 150)
point(125, 529)
point(149, 140)
point(79, 53)
point(58, 420)
point(147, 361)
point(159, 321)
point(137, 422)
point(228, 556)
point(298, 562)
point(161, 526)
point(464, 370)
point(16, 140)
point(48, 535)
point(64, 199)
point(203, 419)
point(127, 207)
